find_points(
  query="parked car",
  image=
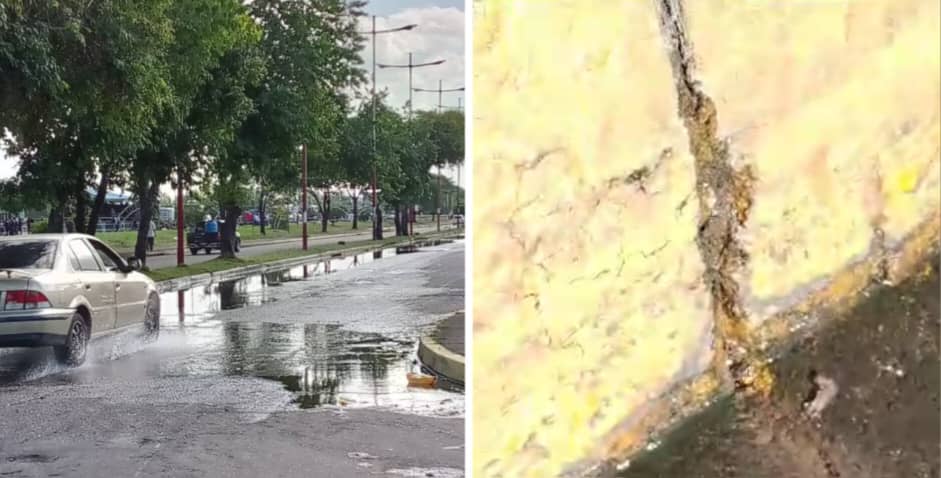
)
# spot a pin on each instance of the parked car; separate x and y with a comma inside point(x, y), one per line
point(198, 239)
point(61, 290)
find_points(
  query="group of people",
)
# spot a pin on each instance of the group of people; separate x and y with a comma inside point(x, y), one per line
point(15, 226)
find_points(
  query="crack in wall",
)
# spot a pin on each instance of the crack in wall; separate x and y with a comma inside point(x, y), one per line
point(725, 199)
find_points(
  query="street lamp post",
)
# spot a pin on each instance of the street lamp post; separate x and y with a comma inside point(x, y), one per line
point(179, 218)
point(377, 219)
point(440, 90)
point(411, 66)
point(304, 197)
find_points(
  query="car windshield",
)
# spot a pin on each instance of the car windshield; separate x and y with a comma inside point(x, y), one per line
point(27, 254)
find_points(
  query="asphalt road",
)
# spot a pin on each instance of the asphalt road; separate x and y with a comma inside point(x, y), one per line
point(250, 250)
point(297, 373)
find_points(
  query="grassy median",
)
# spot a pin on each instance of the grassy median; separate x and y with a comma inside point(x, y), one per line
point(166, 238)
point(219, 264)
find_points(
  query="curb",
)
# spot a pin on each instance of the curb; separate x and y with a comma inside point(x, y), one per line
point(208, 278)
point(440, 360)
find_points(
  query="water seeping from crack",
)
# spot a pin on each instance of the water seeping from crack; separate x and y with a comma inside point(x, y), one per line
point(725, 198)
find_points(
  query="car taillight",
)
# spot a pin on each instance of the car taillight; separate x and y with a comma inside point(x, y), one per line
point(25, 299)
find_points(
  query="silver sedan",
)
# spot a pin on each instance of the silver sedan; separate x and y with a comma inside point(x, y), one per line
point(61, 290)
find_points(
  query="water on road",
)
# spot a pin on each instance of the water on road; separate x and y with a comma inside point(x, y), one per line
point(336, 333)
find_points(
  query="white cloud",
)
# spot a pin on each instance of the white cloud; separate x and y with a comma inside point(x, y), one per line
point(439, 36)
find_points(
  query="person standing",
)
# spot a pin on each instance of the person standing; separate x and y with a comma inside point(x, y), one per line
point(211, 227)
point(151, 232)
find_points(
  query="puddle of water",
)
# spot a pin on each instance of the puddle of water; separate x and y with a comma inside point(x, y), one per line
point(205, 301)
point(320, 365)
point(425, 472)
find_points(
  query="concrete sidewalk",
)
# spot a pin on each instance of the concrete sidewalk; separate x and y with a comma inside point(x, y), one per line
point(442, 352)
point(450, 333)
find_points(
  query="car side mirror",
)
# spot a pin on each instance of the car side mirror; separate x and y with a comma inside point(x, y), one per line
point(133, 264)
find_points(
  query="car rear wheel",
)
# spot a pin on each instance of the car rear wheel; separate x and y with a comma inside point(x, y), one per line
point(72, 354)
point(152, 319)
point(208, 250)
point(194, 251)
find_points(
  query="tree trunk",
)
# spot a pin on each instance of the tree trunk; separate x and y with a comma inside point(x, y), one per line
point(81, 208)
point(400, 226)
point(377, 215)
point(261, 208)
point(325, 216)
point(406, 216)
point(148, 196)
point(56, 222)
point(99, 203)
point(227, 240)
point(320, 206)
point(355, 211)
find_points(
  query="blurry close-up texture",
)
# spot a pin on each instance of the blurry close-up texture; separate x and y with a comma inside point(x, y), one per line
point(666, 191)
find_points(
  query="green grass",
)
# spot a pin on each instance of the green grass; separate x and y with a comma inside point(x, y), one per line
point(166, 238)
point(219, 264)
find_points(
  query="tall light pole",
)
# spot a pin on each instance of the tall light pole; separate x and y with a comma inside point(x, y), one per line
point(411, 66)
point(179, 217)
point(440, 90)
point(377, 219)
point(304, 197)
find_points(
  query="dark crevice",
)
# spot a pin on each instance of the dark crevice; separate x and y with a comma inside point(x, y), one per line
point(725, 198)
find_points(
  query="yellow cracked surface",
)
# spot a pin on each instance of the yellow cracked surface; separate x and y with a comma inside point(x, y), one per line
point(576, 325)
point(580, 80)
point(836, 105)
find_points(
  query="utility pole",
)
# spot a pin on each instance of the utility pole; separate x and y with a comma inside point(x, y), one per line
point(179, 217)
point(304, 197)
point(411, 66)
point(376, 216)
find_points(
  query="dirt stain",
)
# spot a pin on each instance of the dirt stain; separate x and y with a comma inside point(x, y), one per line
point(882, 421)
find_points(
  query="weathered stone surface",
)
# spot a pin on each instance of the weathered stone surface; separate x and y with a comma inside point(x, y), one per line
point(835, 106)
point(589, 291)
point(584, 231)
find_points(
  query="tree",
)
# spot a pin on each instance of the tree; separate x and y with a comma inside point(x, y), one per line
point(79, 82)
point(213, 63)
point(355, 158)
point(445, 132)
point(311, 50)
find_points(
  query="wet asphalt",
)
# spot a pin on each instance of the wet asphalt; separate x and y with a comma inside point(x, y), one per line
point(300, 372)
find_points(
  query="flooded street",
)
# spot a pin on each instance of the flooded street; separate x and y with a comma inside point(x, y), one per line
point(328, 343)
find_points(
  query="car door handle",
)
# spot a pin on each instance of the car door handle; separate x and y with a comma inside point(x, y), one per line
point(117, 287)
point(87, 287)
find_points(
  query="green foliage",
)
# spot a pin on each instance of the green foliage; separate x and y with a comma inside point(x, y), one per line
point(311, 50)
point(445, 132)
point(39, 227)
point(221, 91)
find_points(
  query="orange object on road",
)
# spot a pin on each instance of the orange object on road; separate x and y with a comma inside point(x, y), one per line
point(419, 380)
